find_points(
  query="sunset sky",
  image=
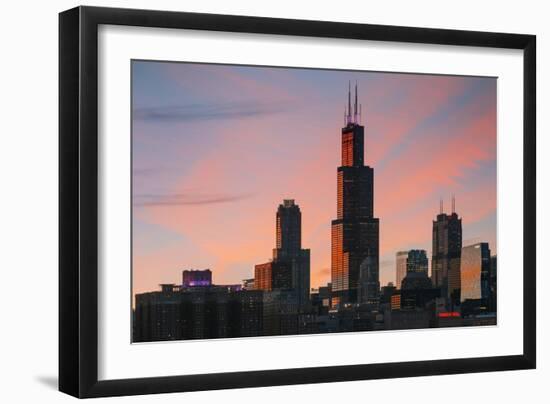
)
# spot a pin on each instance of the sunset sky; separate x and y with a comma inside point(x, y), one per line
point(217, 148)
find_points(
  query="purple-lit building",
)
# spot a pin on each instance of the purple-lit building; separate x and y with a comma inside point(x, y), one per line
point(192, 277)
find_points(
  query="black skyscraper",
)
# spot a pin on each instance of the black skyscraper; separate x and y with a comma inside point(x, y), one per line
point(289, 250)
point(355, 234)
point(289, 228)
point(446, 252)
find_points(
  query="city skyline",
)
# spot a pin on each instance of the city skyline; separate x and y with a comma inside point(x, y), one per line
point(196, 154)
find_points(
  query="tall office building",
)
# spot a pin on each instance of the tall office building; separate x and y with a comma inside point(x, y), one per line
point(417, 261)
point(355, 231)
point(475, 271)
point(400, 267)
point(290, 252)
point(290, 266)
point(288, 229)
point(446, 251)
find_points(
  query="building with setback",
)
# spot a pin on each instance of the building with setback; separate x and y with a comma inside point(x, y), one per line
point(289, 250)
point(446, 252)
point(355, 231)
point(289, 268)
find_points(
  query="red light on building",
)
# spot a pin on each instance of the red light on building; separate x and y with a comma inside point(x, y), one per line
point(449, 314)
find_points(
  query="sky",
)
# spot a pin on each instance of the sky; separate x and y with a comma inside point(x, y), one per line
point(216, 148)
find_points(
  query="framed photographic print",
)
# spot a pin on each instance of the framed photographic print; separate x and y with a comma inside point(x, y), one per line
point(268, 201)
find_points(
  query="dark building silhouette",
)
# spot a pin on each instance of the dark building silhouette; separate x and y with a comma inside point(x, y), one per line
point(386, 293)
point(417, 261)
point(288, 229)
point(197, 277)
point(246, 316)
point(408, 319)
point(417, 291)
point(369, 282)
point(198, 312)
point(321, 299)
point(446, 252)
point(354, 318)
point(355, 231)
point(416, 288)
point(416, 280)
point(280, 312)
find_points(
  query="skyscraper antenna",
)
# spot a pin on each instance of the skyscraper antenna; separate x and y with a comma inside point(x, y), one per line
point(440, 206)
point(349, 101)
point(345, 115)
point(453, 203)
point(355, 105)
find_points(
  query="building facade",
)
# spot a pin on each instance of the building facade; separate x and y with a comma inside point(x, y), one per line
point(198, 312)
point(417, 290)
point(290, 266)
point(280, 312)
point(475, 273)
point(446, 252)
point(355, 231)
point(369, 282)
point(272, 276)
point(400, 267)
point(288, 229)
point(417, 261)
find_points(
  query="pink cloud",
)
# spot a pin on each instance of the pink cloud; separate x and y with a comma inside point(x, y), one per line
point(430, 165)
point(421, 96)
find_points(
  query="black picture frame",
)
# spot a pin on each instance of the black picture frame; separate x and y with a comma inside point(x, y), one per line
point(78, 201)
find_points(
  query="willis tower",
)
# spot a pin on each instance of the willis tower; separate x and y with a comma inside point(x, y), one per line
point(355, 231)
